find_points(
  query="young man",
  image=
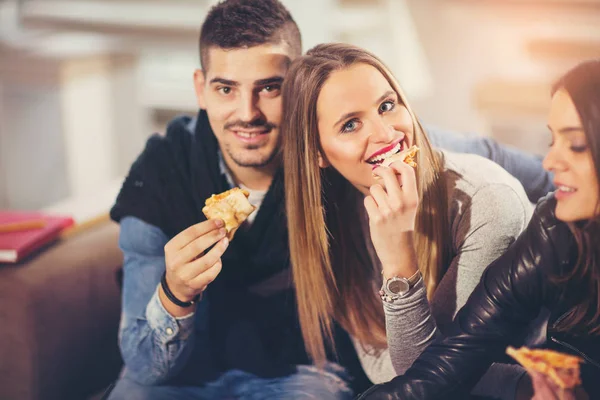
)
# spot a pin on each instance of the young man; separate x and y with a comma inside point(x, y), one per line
point(241, 339)
point(204, 318)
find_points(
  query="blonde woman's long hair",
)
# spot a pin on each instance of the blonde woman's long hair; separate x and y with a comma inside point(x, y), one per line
point(333, 273)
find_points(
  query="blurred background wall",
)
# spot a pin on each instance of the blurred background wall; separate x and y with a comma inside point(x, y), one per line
point(84, 83)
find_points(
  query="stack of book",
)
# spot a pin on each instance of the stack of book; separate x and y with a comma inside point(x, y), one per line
point(22, 233)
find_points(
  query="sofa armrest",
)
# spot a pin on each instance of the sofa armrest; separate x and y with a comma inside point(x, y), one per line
point(60, 314)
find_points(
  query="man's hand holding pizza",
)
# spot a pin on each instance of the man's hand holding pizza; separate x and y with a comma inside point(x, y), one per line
point(189, 270)
point(191, 263)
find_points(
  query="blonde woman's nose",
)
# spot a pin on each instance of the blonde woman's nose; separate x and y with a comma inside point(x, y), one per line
point(382, 133)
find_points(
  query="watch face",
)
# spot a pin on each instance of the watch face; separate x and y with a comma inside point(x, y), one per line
point(398, 286)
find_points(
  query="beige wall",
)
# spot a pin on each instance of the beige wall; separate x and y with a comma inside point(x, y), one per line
point(465, 65)
point(470, 44)
point(32, 156)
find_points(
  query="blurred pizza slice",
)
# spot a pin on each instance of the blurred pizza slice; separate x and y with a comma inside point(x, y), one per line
point(562, 369)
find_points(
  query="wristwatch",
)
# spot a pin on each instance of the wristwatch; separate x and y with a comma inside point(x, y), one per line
point(395, 288)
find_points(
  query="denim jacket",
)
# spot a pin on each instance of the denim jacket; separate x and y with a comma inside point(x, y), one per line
point(154, 344)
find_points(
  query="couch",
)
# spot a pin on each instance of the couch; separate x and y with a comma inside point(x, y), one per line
point(59, 315)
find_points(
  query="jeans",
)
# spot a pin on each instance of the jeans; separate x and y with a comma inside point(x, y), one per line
point(307, 383)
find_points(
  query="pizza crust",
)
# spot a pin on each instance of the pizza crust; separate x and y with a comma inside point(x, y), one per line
point(562, 369)
point(231, 206)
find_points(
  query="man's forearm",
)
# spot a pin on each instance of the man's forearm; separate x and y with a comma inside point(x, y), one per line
point(173, 309)
point(157, 346)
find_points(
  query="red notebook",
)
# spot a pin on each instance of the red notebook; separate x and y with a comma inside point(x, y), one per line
point(16, 245)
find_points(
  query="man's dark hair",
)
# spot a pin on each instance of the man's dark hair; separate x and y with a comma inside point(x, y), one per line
point(233, 24)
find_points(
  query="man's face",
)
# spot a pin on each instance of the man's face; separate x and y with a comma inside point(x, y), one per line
point(241, 93)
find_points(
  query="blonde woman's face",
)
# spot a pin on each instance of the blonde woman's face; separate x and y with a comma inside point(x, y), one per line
point(571, 161)
point(360, 120)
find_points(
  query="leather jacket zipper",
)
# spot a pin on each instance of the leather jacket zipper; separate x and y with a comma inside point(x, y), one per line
point(576, 350)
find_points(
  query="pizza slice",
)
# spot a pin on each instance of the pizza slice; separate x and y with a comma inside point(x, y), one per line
point(231, 206)
point(407, 156)
point(562, 369)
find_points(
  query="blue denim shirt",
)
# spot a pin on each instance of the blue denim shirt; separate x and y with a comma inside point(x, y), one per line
point(156, 346)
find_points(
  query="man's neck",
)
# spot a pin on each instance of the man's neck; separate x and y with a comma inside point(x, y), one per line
point(254, 178)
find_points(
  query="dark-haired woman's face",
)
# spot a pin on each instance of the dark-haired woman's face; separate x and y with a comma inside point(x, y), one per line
point(571, 161)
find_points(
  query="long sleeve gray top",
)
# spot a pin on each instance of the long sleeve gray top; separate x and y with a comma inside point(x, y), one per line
point(488, 209)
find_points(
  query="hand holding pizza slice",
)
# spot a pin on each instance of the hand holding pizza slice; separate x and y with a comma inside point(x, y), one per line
point(231, 206)
point(560, 368)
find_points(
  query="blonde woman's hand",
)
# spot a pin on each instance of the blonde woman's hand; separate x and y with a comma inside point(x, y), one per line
point(392, 209)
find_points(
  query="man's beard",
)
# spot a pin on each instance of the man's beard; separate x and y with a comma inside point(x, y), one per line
point(260, 124)
point(254, 163)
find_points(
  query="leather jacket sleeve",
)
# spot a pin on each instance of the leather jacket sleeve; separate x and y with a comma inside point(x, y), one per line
point(510, 295)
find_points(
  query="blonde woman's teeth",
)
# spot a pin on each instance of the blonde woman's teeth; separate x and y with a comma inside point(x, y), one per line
point(385, 155)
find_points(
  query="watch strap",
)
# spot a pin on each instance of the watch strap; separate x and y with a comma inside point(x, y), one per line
point(412, 281)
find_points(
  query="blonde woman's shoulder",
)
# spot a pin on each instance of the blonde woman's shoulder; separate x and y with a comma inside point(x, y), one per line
point(483, 187)
point(476, 171)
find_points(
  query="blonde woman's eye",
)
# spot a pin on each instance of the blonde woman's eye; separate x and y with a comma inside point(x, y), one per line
point(350, 126)
point(387, 106)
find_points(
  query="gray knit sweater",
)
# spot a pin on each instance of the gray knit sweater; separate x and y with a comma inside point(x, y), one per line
point(488, 210)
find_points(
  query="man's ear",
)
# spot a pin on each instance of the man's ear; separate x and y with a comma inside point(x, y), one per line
point(199, 81)
point(323, 163)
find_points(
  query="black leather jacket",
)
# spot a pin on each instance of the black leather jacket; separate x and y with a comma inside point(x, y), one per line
point(512, 292)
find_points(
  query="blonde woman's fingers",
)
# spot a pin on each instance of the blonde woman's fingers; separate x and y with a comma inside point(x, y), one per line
point(391, 180)
point(372, 209)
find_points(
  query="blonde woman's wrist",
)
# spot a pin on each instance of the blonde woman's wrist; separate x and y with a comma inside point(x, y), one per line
point(406, 266)
point(399, 271)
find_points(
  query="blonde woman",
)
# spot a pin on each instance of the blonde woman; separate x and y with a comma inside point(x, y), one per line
point(361, 234)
